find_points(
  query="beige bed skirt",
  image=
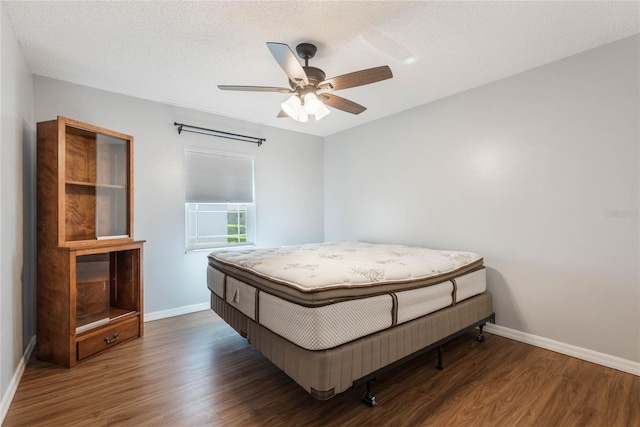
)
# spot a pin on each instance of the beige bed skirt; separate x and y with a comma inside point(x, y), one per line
point(325, 373)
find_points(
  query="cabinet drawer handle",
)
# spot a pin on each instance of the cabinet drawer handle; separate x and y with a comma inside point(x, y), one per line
point(112, 339)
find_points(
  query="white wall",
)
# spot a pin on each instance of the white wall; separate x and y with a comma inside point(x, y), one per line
point(537, 172)
point(17, 243)
point(288, 175)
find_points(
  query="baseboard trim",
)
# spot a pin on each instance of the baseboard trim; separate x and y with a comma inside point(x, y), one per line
point(17, 376)
point(603, 359)
point(179, 311)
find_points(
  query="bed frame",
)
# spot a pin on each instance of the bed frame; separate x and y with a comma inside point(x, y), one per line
point(325, 373)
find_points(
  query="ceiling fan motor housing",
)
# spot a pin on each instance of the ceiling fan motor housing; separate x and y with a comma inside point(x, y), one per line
point(314, 75)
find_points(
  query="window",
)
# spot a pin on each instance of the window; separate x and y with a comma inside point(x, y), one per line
point(219, 206)
point(217, 224)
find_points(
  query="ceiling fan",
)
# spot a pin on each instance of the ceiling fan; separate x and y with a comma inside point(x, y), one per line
point(310, 88)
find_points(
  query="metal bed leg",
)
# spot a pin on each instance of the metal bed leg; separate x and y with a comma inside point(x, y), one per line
point(492, 319)
point(480, 336)
point(368, 398)
point(439, 367)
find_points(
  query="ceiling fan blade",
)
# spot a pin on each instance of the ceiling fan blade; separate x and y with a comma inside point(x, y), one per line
point(256, 88)
point(282, 114)
point(288, 62)
point(358, 78)
point(342, 104)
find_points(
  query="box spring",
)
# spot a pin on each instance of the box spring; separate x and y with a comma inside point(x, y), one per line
point(324, 373)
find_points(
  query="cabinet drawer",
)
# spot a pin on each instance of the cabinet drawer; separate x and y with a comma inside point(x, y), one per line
point(107, 337)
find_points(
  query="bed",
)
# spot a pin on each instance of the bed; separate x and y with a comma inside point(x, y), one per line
point(337, 315)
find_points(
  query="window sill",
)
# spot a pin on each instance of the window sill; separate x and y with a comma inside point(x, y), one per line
point(216, 248)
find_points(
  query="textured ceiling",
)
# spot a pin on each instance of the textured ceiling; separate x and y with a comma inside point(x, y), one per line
point(177, 52)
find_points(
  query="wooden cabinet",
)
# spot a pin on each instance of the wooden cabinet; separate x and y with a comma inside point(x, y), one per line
point(89, 281)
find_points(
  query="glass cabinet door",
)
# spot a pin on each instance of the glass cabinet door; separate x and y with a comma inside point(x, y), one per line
point(112, 169)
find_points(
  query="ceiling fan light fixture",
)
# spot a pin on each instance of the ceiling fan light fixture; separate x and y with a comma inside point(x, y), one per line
point(292, 106)
point(303, 117)
point(311, 103)
point(322, 111)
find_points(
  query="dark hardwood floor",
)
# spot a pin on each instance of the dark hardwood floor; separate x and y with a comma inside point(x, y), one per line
point(194, 370)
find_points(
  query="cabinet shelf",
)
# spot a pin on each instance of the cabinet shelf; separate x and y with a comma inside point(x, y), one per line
point(81, 183)
point(91, 322)
point(96, 185)
point(113, 186)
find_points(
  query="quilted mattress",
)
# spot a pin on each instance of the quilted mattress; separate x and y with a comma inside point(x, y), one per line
point(320, 296)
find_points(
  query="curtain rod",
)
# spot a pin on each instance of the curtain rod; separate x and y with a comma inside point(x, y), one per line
point(218, 133)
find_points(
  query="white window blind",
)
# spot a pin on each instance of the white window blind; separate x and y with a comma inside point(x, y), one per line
point(219, 206)
point(213, 177)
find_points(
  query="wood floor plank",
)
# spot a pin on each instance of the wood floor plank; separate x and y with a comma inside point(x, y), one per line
point(194, 370)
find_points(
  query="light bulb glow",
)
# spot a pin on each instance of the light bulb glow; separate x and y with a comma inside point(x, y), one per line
point(302, 116)
point(322, 111)
point(300, 111)
point(311, 103)
point(291, 107)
